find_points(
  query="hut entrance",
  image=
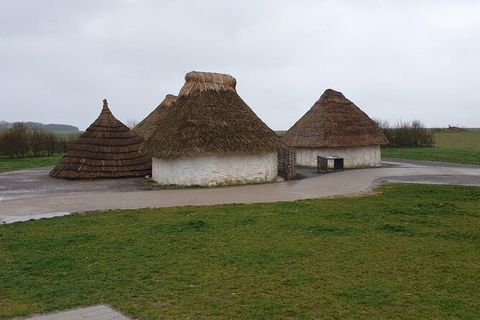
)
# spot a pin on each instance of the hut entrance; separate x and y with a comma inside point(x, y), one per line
point(287, 164)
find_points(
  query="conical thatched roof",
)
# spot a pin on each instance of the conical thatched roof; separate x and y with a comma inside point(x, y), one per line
point(210, 118)
point(334, 121)
point(148, 125)
point(107, 149)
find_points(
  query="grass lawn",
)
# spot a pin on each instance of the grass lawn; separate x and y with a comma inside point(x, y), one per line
point(461, 147)
point(11, 164)
point(410, 252)
point(64, 134)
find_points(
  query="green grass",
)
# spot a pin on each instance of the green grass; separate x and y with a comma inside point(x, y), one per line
point(11, 164)
point(66, 134)
point(410, 252)
point(461, 147)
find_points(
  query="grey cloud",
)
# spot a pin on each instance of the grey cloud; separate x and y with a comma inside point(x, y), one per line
point(396, 60)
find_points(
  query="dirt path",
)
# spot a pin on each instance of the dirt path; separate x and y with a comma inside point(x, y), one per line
point(31, 194)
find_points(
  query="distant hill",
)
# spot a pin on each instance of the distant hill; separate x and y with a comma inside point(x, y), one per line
point(54, 127)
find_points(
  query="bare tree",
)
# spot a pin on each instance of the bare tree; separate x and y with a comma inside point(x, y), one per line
point(131, 123)
point(51, 143)
point(15, 141)
point(66, 143)
point(403, 133)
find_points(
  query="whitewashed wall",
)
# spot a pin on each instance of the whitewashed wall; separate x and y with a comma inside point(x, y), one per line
point(215, 170)
point(353, 157)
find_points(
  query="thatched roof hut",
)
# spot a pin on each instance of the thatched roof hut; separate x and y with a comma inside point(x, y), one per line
point(333, 123)
point(148, 125)
point(107, 149)
point(209, 127)
point(210, 118)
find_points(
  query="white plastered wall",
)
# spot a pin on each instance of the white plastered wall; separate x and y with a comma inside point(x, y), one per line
point(353, 157)
point(215, 170)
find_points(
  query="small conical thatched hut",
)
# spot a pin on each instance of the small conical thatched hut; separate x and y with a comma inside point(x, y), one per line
point(107, 149)
point(211, 137)
point(148, 125)
point(336, 126)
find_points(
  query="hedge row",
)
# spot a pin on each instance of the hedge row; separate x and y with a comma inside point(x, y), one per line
point(404, 134)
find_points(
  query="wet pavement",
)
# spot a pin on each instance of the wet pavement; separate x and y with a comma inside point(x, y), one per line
point(437, 179)
point(464, 180)
point(37, 183)
point(395, 162)
point(32, 194)
point(34, 183)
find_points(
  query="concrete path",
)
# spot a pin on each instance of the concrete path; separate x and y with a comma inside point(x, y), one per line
point(100, 312)
point(31, 205)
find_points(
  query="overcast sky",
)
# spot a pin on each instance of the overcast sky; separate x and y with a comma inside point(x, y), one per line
point(396, 60)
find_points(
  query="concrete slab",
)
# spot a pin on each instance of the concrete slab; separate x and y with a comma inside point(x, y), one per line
point(99, 312)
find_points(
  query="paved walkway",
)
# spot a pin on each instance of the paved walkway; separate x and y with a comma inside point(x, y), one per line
point(100, 312)
point(33, 205)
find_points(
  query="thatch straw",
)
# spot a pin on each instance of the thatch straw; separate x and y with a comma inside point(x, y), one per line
point(334, 121)
point(148, 125)
point(207, 81)
point(209, 118)
point(107, 149)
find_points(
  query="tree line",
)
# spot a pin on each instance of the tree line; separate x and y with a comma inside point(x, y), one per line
point(38, 125)
point(20, 141)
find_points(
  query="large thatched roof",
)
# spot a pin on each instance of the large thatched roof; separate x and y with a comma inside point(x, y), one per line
point(107, 149)
point(334, 121)
point(148, 125)
point(210, 118)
